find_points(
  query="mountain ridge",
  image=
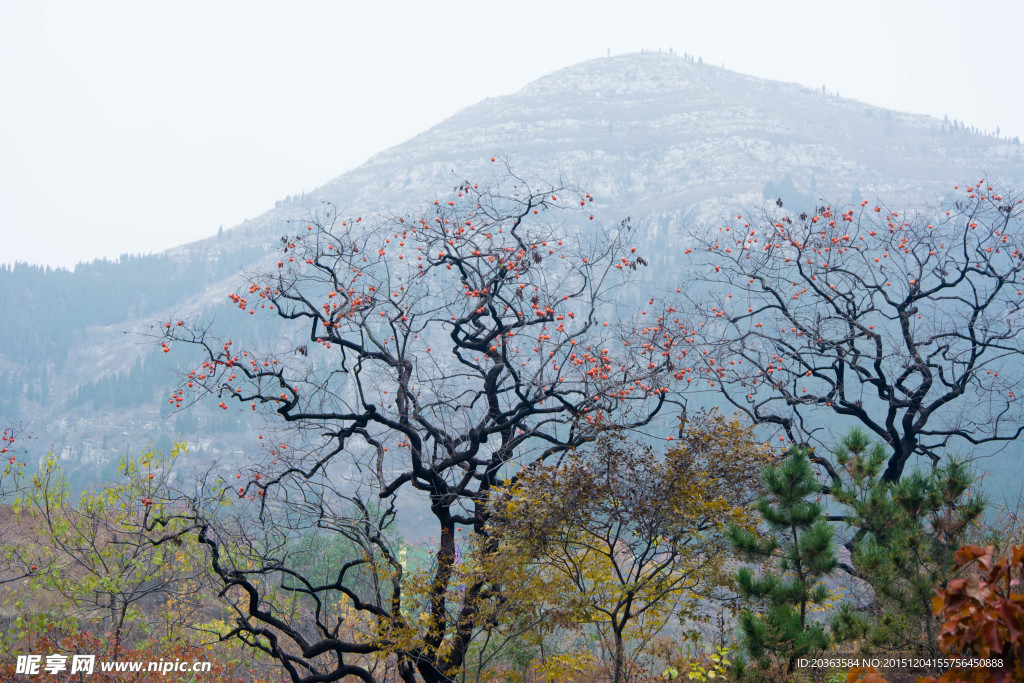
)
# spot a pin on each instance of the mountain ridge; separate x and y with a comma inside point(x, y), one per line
point(670, 142)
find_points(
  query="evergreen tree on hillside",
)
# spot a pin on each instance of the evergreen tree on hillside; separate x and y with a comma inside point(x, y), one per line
point(796, 553)
point(906, 534)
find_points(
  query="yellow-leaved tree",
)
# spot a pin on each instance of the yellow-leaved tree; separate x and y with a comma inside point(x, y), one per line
point(92, 573)
point(618, 538)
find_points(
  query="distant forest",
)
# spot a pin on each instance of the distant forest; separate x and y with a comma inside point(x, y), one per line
point(47, 311)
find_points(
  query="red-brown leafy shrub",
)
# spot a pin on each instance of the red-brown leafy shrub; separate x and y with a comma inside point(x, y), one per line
point(984, 617)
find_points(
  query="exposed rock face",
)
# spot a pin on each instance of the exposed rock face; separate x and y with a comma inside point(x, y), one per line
point(669, 142)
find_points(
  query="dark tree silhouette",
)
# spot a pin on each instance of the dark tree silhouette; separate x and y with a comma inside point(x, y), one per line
point(439, 353)
point(908, 323)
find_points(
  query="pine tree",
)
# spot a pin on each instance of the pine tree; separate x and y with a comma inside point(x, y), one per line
point(906, 534)
point(797, 552)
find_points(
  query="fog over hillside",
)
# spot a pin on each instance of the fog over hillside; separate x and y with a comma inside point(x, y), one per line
point(675, 144)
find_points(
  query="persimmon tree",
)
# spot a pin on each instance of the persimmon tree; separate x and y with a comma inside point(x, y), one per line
point(906, 322)
point(15, 566)
point(432, 355)
point(14, 456)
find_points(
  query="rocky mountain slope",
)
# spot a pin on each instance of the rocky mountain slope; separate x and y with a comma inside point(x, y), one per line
point(674, 144)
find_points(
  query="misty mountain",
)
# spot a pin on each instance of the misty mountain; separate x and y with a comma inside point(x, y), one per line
point(672, 143)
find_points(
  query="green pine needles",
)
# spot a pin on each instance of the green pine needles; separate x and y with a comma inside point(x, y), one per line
point(797, 552)
point(904, 536)
point(901, 538)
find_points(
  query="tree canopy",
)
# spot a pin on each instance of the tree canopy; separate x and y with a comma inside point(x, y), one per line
point(442, 351)
point(906, 322)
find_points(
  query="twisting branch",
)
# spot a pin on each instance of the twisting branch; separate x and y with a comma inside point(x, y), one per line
point(438, 349)
point(905, 322)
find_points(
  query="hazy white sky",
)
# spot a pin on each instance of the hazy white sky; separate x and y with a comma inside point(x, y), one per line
point(133, 127)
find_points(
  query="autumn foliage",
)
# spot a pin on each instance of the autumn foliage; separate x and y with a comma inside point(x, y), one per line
point(85, 575)
point(984, 616)
point(620, 540)
point(474, 360)
point(430, 354)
